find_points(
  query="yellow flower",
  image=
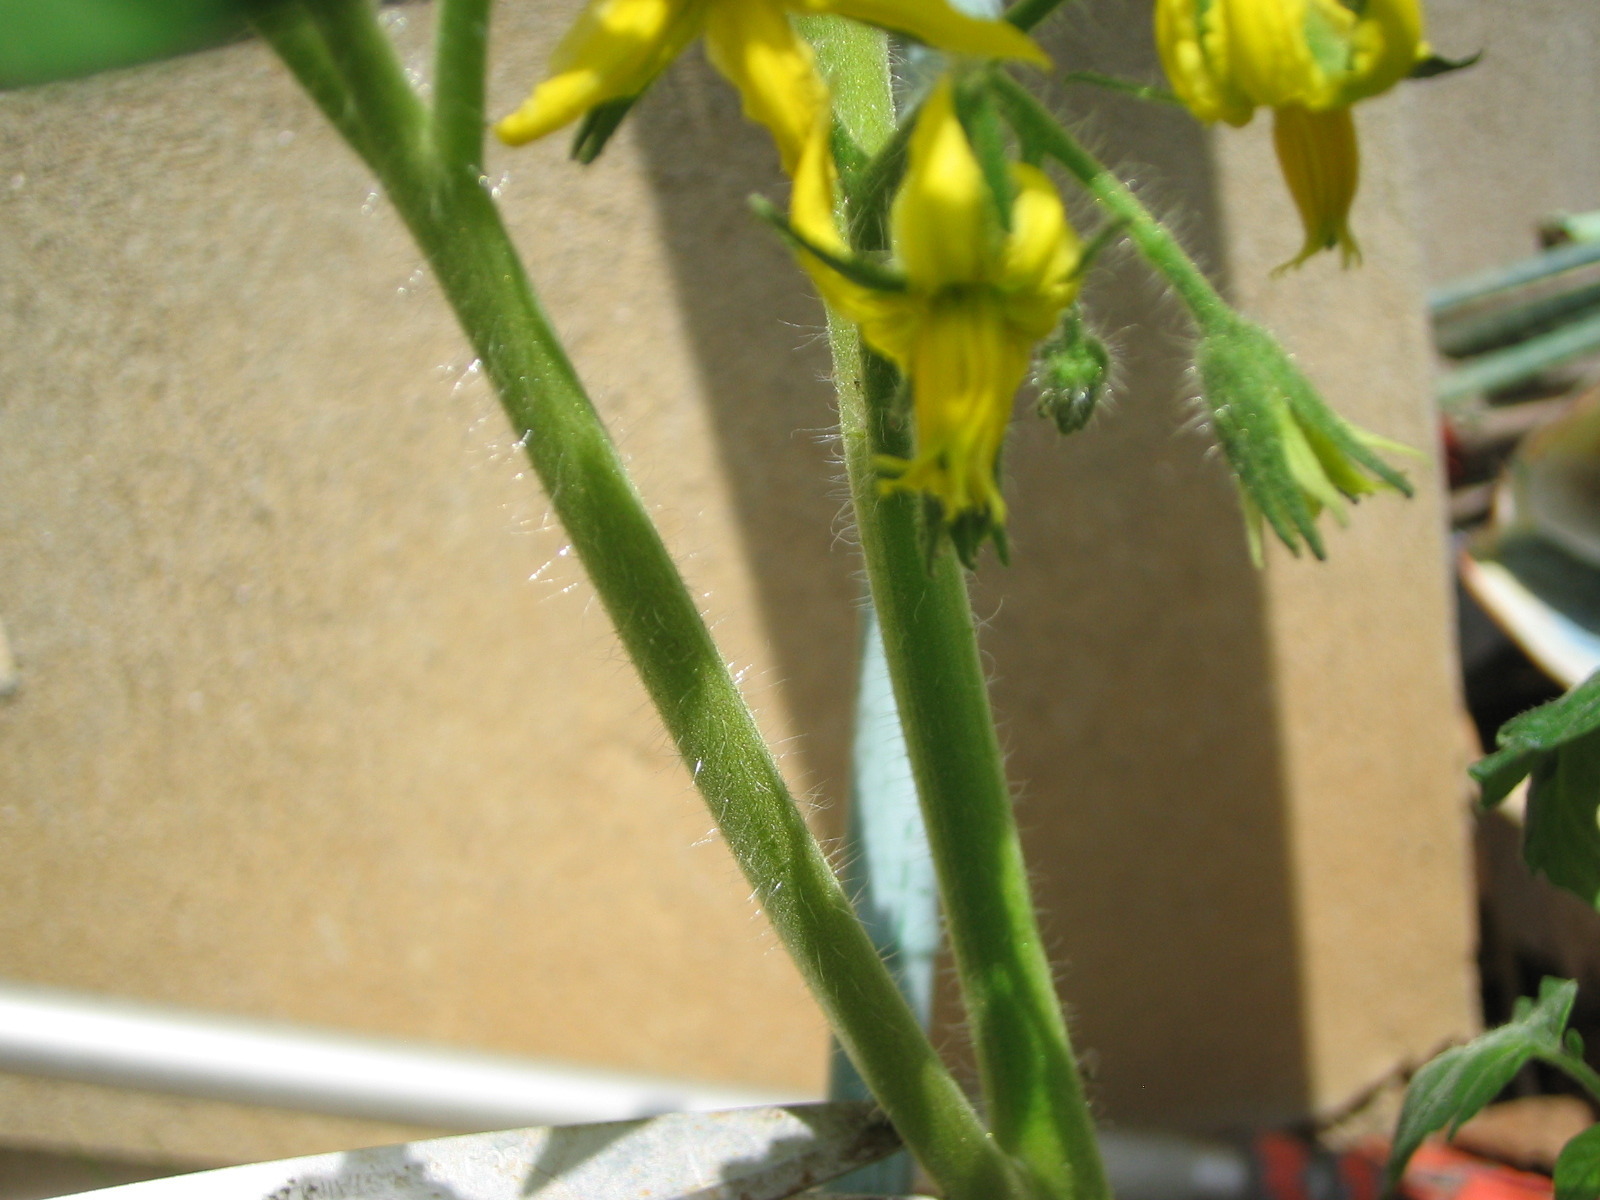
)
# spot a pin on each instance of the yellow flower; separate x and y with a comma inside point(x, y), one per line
point(976, 299)
point(617, 47)
point(1308, 61)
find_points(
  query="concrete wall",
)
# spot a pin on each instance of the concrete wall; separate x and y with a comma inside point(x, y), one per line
point(318, 720)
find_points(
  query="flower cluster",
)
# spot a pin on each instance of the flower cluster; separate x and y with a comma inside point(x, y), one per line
point(982, 262)
point(976, 299)
point(1308, 61)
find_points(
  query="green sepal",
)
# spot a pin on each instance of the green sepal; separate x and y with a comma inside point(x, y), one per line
point(847, 156)
point(986, 134)
point(1260, 402)
point(1457, 1084)
point(1558, 746)
point(854, 268)
point(1240, 382)
point(1577, 1175)
point(597, 126)
point(1437, 64)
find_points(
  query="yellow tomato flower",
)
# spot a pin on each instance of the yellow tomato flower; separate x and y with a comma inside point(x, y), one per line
point(618, 47)
point(1308, 61)
point(976, 299)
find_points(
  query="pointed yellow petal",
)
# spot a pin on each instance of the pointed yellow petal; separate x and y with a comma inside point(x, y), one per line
point(1321, 163)
point(1038, 271)
point(1387, 44)
point(937, 23)
point(752, 43)
point(811, 197)
point(966, 366)
point(888, 320)
point(944, 230)
point(1269, 58)
point(615, 49)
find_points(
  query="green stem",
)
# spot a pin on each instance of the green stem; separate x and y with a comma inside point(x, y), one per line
point(287, 29)
point(1128, 87)
point(1152, 238)
point(1031, 1087)
point(461, 233)
point(460, 58)
point(1578, 1071)
point(393, 117)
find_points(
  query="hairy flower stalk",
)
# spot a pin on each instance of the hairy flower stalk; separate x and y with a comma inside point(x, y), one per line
point(618, 47)
point(1308, 61)
point(970, 303)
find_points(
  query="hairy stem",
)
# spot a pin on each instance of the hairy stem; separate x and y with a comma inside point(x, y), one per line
point(460, 231)
point(1031, 1087)
point(1153, 239)
point(460, 57)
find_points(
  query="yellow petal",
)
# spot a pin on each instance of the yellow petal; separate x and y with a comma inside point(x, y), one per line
point(944, 228)
point(966, 366)
point(1386, 45)
point(937, 23)
point(1321, 163)
point(615, 49)
point(811, 197)
point(1269, 58)
point(1187, 54)
point(752, 43)
point(1039, 263)
point(888, 320)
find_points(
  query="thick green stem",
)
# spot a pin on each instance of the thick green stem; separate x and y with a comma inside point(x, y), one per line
point(460, 231)
point(458, 82)
point(1031, 1086)
point(1153, 239)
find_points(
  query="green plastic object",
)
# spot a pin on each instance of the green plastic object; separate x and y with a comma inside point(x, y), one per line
point(49, 40)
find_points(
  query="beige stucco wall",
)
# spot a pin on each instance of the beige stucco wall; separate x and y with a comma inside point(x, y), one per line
point(319, 722)
point(1511, 140)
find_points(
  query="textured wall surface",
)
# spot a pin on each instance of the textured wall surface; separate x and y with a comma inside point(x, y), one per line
point(319, 722)
point(1512, 139)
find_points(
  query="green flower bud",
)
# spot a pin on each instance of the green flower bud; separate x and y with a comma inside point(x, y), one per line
point(1072, 374)
point(1292, 456)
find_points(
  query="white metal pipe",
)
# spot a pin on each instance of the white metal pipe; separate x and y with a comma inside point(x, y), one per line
point(67, 1035)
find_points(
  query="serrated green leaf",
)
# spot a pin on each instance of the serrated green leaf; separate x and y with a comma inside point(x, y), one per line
point(1578, 1167)
point(1458, 1083)
point(1561, 839)
point(1553, 725)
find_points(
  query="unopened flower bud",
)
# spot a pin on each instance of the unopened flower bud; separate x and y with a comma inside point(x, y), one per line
point(1072, 374)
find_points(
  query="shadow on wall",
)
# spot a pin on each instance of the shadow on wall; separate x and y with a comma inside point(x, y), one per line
point(1127, 641)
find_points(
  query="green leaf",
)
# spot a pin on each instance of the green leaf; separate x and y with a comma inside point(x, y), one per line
point(1558, 744)
point(46, 40)
point(1561, 839)
point(1457, 1084)
point(1578, 1167)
